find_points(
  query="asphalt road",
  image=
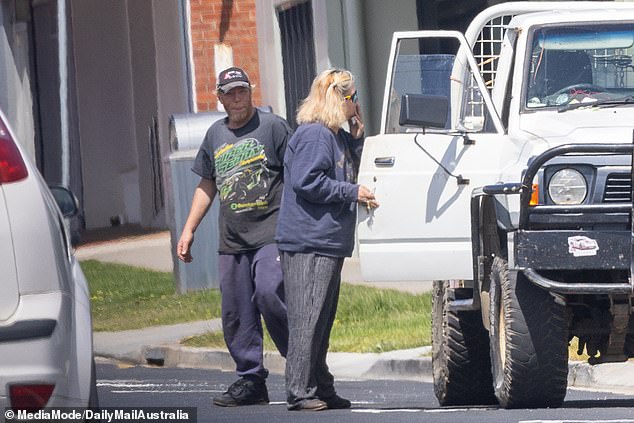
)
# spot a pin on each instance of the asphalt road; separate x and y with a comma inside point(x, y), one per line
point(373, 400)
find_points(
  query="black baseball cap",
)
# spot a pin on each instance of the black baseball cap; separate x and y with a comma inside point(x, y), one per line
point(231, 78)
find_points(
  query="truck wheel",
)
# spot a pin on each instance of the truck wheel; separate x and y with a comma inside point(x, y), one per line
point(528, 340)
point(460, 354)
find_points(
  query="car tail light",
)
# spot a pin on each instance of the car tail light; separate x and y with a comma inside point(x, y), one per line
point(30, 398)
point(12, 167)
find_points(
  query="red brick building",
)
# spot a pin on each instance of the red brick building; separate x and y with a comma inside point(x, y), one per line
point(229, 24)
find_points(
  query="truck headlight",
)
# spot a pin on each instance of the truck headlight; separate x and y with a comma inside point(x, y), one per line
point(567, 186)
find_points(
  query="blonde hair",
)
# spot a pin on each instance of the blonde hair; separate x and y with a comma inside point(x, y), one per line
point(324, 103)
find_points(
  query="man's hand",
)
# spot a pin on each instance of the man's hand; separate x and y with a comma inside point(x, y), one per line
point(203, 197)
point(183, 249)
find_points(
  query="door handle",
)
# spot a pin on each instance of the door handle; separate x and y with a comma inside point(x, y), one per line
point(384, 161)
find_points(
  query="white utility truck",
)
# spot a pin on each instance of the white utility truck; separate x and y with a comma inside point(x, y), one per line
point(503, 166)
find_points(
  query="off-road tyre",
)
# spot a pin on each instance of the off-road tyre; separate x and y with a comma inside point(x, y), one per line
point(460, 354)
point(528, 340)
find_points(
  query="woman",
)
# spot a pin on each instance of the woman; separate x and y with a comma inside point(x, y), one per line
point(315, 231)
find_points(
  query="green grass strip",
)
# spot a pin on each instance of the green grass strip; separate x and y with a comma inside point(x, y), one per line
point(125, 297)
point(368, 319)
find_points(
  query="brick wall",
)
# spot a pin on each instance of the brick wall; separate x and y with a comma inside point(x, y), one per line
point(231, 22)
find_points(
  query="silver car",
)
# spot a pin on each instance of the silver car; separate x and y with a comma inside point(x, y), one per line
point(45, 324)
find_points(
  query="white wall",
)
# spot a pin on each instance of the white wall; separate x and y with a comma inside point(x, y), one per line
point(381, 19)
point(105, 105)
point(173, 90)
point(130, 71)
point(15, 85)
point(145, 103)
point(270, 55)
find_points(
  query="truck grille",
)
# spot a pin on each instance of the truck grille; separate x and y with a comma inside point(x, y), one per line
point(618, 188)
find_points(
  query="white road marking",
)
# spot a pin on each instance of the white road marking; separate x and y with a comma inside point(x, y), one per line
point(378, 411)
point(135, 386)
point(151, 391)
point(410, 410)
point(578, 421)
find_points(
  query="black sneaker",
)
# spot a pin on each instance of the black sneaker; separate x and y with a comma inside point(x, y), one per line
point(244, 392)
point(335, 402)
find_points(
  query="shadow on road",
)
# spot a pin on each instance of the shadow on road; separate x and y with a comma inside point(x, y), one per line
point(602, 403)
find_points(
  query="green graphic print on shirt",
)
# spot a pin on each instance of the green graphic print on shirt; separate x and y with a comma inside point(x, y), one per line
point(242, 175)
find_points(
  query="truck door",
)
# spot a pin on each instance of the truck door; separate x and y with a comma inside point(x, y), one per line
point(423, 177)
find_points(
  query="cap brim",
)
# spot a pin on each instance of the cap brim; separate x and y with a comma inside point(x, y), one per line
point(231, 85)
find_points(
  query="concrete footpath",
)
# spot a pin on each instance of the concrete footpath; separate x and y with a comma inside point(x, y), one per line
point(160, 345)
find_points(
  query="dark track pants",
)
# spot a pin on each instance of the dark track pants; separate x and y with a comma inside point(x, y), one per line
point(251, 286)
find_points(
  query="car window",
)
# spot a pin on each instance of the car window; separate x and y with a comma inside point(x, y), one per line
point(432, 67)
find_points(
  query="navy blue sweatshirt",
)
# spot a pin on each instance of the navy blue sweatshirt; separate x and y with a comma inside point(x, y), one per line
point(318, 209)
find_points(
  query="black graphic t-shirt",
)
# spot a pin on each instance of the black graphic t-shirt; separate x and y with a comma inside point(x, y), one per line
point(247, 165)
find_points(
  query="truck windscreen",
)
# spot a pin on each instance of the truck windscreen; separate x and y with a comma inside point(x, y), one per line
point(580, 64)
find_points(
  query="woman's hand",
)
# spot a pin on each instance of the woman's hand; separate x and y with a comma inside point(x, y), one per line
point(367, 198)
point(356, 123)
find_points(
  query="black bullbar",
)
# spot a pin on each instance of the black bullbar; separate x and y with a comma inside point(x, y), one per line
point(567, 249)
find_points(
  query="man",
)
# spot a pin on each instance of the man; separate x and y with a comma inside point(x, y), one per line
point(241, 159)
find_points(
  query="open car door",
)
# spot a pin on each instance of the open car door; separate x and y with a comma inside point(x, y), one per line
point(422, 170)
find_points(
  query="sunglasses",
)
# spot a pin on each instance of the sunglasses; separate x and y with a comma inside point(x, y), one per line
point(352, 97)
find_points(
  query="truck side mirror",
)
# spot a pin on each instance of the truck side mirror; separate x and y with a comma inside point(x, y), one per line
point(422, 111)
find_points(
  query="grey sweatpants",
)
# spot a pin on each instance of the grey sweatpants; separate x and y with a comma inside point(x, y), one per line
point(311, 284)
point(251, 286)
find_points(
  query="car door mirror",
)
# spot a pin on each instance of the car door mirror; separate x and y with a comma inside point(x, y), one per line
point(424, 111)
point(66, 201)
